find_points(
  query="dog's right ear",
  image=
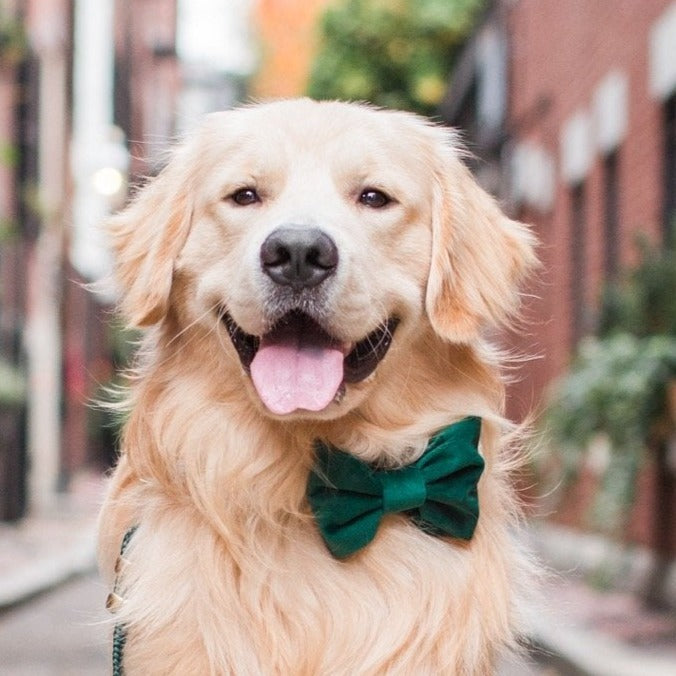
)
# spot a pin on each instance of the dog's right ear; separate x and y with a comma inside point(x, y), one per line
point(146, 237)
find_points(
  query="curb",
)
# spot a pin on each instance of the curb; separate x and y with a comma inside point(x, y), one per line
point(588, 652)
point(48, 572)
point(569, 639)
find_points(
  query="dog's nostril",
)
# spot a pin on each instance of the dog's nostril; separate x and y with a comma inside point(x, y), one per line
point(325, 256)
point(299, 257)
point(274, 253)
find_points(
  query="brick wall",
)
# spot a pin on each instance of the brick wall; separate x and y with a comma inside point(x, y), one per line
point(561, 54)
point(147, 79)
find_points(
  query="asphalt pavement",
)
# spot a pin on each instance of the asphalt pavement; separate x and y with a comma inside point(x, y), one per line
point(60, 633)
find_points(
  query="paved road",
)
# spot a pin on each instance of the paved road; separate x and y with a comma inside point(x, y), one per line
point(58, 634)
point(62, 633)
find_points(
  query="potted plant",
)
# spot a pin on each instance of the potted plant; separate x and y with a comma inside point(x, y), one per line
point(621, 387)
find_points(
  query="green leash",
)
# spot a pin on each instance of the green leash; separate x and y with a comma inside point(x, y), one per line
point(120, 631)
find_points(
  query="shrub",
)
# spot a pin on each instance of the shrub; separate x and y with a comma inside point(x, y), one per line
point(394, 53)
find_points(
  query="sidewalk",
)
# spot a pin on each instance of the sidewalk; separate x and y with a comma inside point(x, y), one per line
point(600, 633)
point(40, 552)
point(605, 634)
point(589, 632)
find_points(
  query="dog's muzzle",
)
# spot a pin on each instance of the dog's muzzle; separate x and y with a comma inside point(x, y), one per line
point(298, 364)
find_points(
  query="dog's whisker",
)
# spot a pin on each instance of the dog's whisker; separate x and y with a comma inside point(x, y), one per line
point(195, 321)
point(172, 355)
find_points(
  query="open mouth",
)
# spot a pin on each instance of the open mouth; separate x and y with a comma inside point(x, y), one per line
point(298, 365)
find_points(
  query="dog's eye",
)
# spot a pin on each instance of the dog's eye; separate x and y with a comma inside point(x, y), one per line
point(376, 199)
point(245, 196)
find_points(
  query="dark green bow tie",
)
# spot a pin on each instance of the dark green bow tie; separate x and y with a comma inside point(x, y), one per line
point(438, 491)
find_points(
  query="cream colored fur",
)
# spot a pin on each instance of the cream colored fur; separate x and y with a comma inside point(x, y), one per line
point(227, 573)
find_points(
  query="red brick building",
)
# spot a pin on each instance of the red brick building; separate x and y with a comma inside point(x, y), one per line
point(145, 85)
point(592, 97)
point(570, 108)
point(51, 328)
point(147, 79)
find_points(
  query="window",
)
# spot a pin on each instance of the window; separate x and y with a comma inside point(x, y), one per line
point(611, 235)
point(669, 209)
point(577, 254)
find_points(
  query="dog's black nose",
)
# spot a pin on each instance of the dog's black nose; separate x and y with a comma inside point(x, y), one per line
point(299, 257)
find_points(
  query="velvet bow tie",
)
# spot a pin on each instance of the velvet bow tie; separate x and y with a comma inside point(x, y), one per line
point(438, 491)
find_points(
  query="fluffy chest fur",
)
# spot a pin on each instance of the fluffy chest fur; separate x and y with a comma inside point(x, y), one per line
point(227, 573)
point(261, 595)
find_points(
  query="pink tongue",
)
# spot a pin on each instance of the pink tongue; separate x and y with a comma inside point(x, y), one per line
point(290, 374)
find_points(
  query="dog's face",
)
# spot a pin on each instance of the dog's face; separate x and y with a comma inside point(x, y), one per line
point(308, 239)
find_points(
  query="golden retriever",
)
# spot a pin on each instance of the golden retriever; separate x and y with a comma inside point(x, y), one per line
point(310, 271)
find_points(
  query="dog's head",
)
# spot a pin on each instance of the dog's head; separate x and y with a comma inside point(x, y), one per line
point(314, 241)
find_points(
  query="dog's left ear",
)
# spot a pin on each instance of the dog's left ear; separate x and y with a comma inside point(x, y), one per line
point(479, 256)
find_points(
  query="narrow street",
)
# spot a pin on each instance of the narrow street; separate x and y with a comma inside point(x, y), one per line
point(63, 633)
point(60, 633)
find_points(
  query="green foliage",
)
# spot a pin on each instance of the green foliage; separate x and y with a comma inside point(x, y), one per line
point(9, 157)
point(394, 53)
point(644, 302)
point(109, 412)
point(616, 388)
point(12, 48)
point(9, 154)
point(12, 39)
point(12, 385)
point(8, 228)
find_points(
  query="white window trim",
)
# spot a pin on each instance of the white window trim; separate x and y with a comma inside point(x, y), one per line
point(662, 54)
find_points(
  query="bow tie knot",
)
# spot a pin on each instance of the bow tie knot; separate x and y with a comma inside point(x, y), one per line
point(403, 489)
point(438, 491)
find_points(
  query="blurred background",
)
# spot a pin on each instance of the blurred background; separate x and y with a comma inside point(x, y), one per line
point(569, 110)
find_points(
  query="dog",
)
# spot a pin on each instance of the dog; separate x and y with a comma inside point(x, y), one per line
point(311, 275)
